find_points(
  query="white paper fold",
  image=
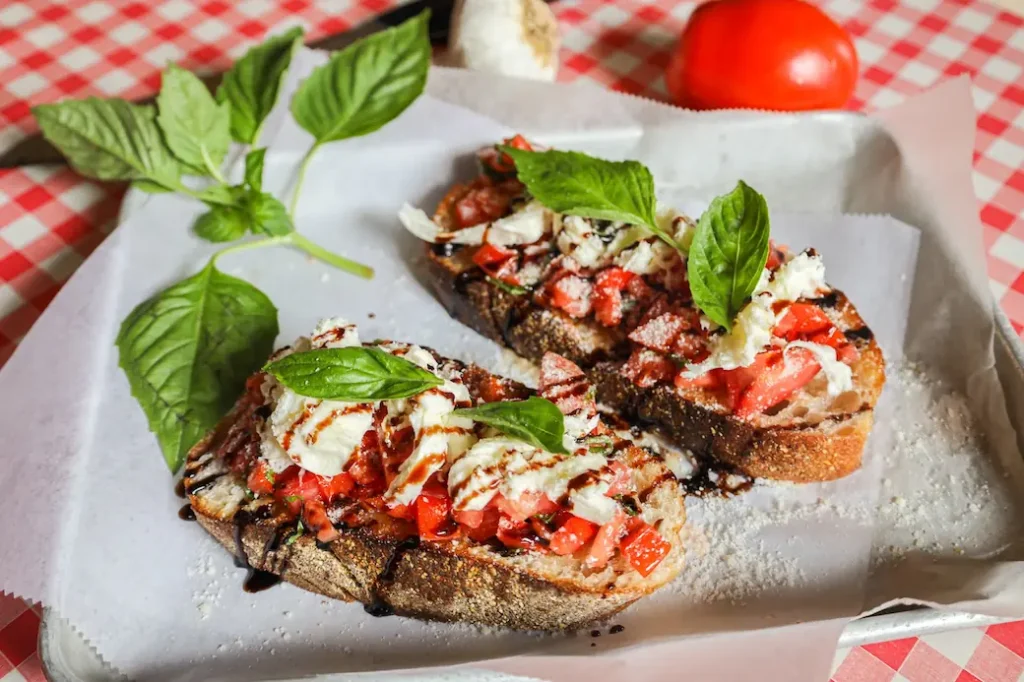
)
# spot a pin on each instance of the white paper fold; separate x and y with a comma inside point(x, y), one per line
point(90, 505)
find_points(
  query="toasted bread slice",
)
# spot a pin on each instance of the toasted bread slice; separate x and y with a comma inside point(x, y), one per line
point(810, 437)
point(379, 561)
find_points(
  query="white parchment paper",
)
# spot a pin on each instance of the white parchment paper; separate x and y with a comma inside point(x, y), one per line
point(90, 502)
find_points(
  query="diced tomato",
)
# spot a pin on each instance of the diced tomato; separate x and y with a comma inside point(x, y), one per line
point(564, 384)
point(396, 450)
point(776, 255)
point(613, 278)
point(644, 549)
point(528, 504)
point(314, 517)
point(399, 511)
point(712, 379)
point(845, 351)
point(648, 368)
point(800, 320)
point(336, 486)
point(783, 377)
point(366, 468)
point(519, 142)
point(660, 333)
point(691, 346)
point(481, 205)
point(479, 525)
point(254, 387)
point(261, 478)
point(572, 294)
point(608, 287)
point(434, 514)
point(606, 540)
point(489, 254)
point(622, 479)
point(298, 489)
point(572, 535)
point(608, 307)
point(518, 534)
point(737, 380)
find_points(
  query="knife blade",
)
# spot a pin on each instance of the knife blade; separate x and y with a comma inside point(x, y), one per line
point(35, 149)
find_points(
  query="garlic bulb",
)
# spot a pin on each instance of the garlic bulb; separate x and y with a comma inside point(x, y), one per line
point(511, 37)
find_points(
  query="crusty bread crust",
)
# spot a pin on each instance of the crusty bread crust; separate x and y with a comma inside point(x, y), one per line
point(793, 445)
point(446, 581)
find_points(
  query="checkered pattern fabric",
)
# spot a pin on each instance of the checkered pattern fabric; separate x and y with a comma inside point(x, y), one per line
point(51, 219)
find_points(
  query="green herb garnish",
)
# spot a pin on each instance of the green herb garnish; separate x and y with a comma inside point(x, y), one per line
point(535, 420)
point(187, 350)
point(513, 289)
point(299, 530)
point(351, 374)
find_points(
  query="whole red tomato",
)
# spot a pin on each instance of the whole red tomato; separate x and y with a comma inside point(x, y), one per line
point(763, 54)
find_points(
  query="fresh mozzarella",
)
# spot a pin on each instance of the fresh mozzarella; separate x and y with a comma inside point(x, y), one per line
point(419, 223)
point(319, 435)
point(838, 374)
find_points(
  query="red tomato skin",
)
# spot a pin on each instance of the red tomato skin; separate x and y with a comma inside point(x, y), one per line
point(572, 535)
point(644, 548)
point(784, 55)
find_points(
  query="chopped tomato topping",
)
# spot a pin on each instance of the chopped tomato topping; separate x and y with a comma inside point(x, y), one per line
point(434, 514)
point(660, 333)
point(644, 549)
point(737, 380)
point(845, 351)
point(784, 376)
point(572, 294)
point(314, 517)
point(776, 255)
point(608, 287)
point(482, 204)
point(648, 368)
point(490, 254)
point(622, 479)
point(711, 379)
point(398, 511)
point(261, 478)
point(800, 320)
point(606, 540)
point(336, 486)
point(571, 535)
point(479, 525)
point(518, 534)
point(529, 504)
point(564, 384)
point(299, 488)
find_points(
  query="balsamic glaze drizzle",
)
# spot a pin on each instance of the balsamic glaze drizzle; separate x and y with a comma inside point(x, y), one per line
point(379, 608)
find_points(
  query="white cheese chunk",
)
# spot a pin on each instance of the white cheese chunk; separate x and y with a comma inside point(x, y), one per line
point(420, 224)
point(319, 435)
point(838, 374)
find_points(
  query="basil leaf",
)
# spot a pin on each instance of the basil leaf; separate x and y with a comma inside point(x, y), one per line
point(351, 374)
point(535, 420)
point(252, 85)
point(188, 350)
point(367, 84)
point(194, 125)
point(109, 139)
point(513, 289)
point(221, 224)
point(578, 184)
point(728, 253)
point(220, 194)
point(150, 187)
point(254, 168)
point(268, 215)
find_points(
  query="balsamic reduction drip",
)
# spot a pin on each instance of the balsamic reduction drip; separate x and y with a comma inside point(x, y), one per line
point(863, 333)
point(829, 300)
point(326, 546)
point(703, 482)
point(262, 412)
point(201, 484)
point(379, 608)
point(179, 488)
point(446, 249)
point(616, 629)
point(187, 513)
point(257, 580)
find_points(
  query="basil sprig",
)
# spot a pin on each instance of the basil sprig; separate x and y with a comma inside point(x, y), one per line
point(536, 421)
point(353, 374)
point(187, 350)
point(728, 253)
point(730, 245)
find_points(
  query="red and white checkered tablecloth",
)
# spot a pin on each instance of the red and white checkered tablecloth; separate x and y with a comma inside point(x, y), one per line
point(51, 219)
